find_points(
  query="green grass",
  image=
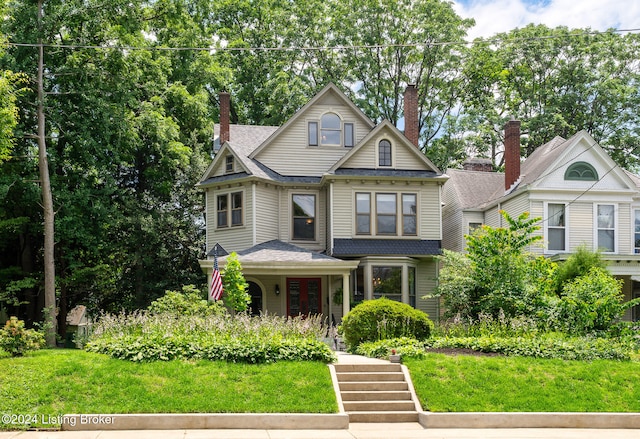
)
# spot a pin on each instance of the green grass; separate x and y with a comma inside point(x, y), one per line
point(518, 384)
point(55, 382)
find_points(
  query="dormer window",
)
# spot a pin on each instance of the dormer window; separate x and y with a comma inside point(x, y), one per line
point(228, 164)
point(581, 171)
point(384, 153)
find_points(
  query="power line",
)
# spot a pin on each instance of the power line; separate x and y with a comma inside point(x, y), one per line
point(316, 48)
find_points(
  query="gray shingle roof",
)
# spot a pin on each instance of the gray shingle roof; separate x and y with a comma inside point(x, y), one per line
point(475, 188)
point(365, 247)
point(279, 251)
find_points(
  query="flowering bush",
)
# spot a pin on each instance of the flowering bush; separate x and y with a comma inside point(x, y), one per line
point(16, 340)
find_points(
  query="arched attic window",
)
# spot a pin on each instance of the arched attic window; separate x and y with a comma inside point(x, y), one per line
point(581, 171)
point(330, 129)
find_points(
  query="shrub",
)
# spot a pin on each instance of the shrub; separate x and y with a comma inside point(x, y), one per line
point(381, 319)
point(16, 340)
point(549, 345)
point(143, 336)
point(591, 302)
point(189, 302)
point(407, 347)
point(576, 265)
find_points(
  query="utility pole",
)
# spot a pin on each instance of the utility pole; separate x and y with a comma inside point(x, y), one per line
point(47, 202)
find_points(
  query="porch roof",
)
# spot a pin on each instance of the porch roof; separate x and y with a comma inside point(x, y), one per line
point(278, 257)
point(384, 247)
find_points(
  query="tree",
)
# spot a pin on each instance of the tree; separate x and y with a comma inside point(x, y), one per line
point(556, 81)
point(234, 286)
point(498, 273)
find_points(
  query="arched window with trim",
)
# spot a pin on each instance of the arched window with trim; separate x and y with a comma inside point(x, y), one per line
point(330, 129)
point(582, 171)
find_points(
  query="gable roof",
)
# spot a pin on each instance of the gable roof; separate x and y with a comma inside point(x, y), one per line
point(480, 189)
point(243, 139)
point(385, 125)
point(330, 89)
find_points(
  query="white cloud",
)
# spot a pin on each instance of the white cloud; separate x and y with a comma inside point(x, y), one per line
point(494, 16)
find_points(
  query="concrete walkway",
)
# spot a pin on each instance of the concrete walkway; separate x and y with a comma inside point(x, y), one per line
point(355, 431)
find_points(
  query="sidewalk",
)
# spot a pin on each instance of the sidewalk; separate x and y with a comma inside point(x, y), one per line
point(355, 431)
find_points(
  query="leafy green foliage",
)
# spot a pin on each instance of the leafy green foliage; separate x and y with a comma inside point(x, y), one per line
point(404, 346)
point(498, 274)
point(591, 302)
point(234, 286)
point(189, 302)
point(144, 336)
point(16, 340)
point(578, 264)
point(382, 319)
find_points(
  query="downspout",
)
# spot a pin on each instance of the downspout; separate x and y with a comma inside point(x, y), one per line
point(330, 228)
point(254, 214)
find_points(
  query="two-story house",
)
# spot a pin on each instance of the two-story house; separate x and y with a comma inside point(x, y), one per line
point(581, 194)
point(327, 205)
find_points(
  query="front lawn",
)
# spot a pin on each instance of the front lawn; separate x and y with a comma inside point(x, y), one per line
point(55, 382)
point(463, 383)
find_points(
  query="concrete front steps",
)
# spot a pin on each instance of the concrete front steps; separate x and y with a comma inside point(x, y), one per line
point(376, 392)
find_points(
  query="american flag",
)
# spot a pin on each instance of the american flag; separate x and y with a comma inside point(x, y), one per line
point(215, 293)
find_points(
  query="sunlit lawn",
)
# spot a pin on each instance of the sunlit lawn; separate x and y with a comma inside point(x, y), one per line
point(55, 382)
point(515, 384)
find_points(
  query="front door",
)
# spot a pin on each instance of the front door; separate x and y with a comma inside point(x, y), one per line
point(303, 296)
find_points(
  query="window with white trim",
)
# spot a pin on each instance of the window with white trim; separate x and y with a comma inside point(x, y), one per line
point(606, 227)
point(556, 227)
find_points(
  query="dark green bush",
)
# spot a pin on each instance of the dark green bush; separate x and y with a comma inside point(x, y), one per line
point(381, 319)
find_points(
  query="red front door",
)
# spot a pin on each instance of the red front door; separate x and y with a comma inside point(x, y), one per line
point(303, 296)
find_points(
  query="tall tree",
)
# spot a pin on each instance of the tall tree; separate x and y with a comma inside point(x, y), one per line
point(557, 82)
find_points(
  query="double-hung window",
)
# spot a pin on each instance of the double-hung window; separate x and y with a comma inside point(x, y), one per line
point(330, 129)
point(363, 213)
point(606, 224)
point(386, 212)
point(409, 214)
point(304, 217)
point(556, 227)
point(229, 209)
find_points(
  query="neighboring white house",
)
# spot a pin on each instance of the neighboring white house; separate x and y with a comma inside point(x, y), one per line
point(327, 202)
point(580, 193)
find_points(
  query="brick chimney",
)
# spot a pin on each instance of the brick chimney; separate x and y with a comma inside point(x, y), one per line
point(411, 114)
point(511, 153)
point(225, 108)
point(478, 165)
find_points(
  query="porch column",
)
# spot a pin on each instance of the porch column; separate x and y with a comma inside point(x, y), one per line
point(405, 284)
point(346, 295)
point(368, 279)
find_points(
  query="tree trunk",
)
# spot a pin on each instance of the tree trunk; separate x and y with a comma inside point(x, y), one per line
point(47, 203)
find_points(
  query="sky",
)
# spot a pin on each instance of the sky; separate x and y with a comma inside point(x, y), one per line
point(494, 16)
